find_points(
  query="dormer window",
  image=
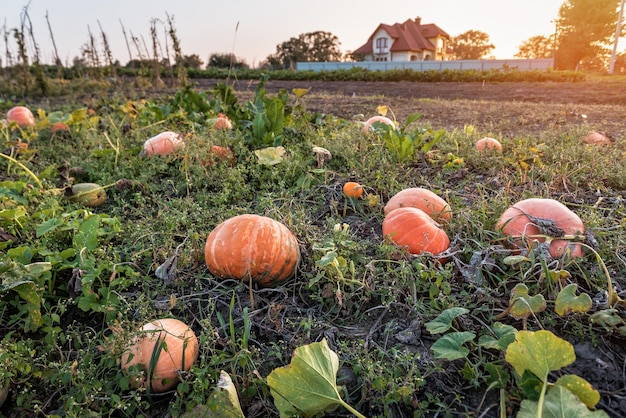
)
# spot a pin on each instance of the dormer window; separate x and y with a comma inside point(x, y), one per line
point(381, 46)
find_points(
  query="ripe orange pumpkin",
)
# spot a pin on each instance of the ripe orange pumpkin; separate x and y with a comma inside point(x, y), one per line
point(21, 115)
point(59, 127)
point(379, 118)
point(412, 228)
point(521, 222)
point(488, 144)
point(424, 199)
point(598, 138)
point(252, 247)
point(352, 190)
point(222, 122)
point(175, 346)
point(163, 144)
point(217, 153)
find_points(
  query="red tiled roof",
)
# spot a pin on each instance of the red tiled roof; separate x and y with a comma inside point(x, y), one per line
point(410, 35)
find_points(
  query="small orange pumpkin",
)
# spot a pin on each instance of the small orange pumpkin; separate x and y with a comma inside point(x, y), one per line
point(175, 346)
point(424, 199)
point(598, 138)
point(488, 144)
point(163, 144)
point(219, 153)
point(21, 115)
point(368, 125)
point(412, 228)
point(222, 122)
point(520, 222)
point(59, 127)
point(352, 190)
point(252, 247)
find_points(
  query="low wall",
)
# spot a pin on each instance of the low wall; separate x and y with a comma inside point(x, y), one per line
point(481, 65)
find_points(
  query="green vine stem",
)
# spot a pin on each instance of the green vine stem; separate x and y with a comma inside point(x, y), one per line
point(23, 167)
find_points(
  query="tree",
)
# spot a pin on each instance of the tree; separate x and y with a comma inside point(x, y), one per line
point(536, 47)
point(191, 61)
point(584, 29)
point(471, 45)
point(312, 46)
point(229, 60)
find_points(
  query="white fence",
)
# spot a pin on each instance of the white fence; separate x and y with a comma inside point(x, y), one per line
point(480, 65)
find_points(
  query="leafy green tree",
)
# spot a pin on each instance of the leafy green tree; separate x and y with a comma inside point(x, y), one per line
point(471, 45)
point(313, 46)
point(584, 29)
point(536, 47)
point(229, 60)
point(192, 61)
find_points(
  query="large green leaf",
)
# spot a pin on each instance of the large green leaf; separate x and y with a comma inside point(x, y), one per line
point(559, 403)
point(307, 386)
point(443, 322)
point(539, 352)
point(450, 346)
point(567, 301)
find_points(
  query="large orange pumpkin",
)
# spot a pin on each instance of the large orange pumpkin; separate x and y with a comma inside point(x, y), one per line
point(412, 228)
point(174, 347)
point(528, 218)
point(424, 199)
point(21, 115)
point(252, 247)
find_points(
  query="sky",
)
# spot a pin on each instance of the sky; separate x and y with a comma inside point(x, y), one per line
point(252, 29)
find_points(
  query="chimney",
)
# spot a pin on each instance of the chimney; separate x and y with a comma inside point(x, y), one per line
point(418, 20)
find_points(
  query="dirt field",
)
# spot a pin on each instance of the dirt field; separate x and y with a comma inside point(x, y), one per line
point(491, 107)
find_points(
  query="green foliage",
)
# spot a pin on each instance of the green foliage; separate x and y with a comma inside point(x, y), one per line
point(264, 118)
point(405, 144)
point(308, 385)
point(540, 353)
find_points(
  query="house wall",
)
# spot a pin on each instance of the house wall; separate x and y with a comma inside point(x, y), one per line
point(381, 54)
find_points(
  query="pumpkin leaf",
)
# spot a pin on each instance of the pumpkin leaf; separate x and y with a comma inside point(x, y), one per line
point(607, 318)
point(567, 301)
point(539, 352)
point(299, 92)
point(270, 155)
point(558, 403)
point(443, 322)
point(504, 335)
point(522, 305)
point(450, 346)
point(581, 388)
point(224, 401)
point(308, 384)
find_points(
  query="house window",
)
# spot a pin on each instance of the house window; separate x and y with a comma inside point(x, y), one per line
point(413, 58)
point(381, 45)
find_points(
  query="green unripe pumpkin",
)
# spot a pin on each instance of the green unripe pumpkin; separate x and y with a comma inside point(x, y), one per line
point(88, 194)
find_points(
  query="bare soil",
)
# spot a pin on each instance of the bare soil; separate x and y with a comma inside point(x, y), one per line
point(492, 107)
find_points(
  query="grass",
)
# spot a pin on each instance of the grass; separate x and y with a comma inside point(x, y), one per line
point(371, 305)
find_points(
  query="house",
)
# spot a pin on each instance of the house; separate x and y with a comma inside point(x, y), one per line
point(408, 41)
